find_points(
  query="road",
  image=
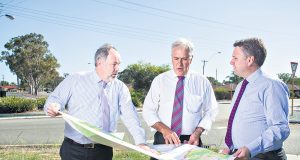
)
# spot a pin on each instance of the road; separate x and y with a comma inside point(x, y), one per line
point(50, 131)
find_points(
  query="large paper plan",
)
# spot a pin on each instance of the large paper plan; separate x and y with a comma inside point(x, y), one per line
point(167, 152)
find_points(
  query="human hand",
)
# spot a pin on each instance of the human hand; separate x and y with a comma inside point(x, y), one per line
point(194, 139)
point(242, 154)
point(170, 137)
point(147, 148)
point(53, 109)
point(195, 136)
point(224, 151)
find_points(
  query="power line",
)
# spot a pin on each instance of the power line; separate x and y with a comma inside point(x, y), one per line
point(83, 23)
point(90, 22)
point(89, 28)
point(158, 15)
point(208, 21)
point(75, 22)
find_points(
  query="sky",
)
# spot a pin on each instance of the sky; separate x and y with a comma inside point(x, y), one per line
point(143, 30)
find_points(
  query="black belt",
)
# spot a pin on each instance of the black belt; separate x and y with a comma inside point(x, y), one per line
point(270, 153)
point(89, 145)
point(260, 154)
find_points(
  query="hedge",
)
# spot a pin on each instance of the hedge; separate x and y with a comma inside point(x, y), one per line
point(18, 105)
point(222, 93)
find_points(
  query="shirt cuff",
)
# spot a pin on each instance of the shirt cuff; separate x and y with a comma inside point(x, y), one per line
point(152, 120)
point(205, 123)
point(139, 140)
point(254, 148)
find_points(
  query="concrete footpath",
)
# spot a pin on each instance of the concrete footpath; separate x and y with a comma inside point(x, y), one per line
point(294, 119)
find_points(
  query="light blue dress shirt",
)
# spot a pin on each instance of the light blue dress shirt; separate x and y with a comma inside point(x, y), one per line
point(80, 92)
point(199, 103)
point(261, 120)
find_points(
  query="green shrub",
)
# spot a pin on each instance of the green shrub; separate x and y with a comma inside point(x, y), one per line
point(137, 97)
point(16, 105)
point(222, 93)
point(40, 103)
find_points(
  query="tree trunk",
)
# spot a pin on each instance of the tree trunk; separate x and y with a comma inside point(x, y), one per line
point(30, 89)
point(36, 90)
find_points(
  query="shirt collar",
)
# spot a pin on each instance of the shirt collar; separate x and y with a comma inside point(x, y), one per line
point(253, 76)
point(97, 79)
point(174, 75)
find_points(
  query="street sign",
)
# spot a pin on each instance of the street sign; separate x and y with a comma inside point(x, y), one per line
point(294, 67)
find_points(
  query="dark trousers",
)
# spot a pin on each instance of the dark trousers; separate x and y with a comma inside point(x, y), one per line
point(159, 139)
point(271, 155)
point(71, 150)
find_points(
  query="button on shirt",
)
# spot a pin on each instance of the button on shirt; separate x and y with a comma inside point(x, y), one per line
point(199, 103)
point(81, 94)
point(261, 119)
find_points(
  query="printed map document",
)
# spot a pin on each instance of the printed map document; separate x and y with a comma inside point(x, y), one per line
point(167, 152)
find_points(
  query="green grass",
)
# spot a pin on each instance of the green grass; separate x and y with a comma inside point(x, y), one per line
point(129, 155)
point(51, 152)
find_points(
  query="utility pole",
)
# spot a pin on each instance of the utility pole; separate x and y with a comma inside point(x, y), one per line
point(2, 80)
point(204, 61)
point(217, 74)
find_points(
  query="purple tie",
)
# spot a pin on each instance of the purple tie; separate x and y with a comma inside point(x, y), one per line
point(228, 137)
point(176, 124)
point(105, 107)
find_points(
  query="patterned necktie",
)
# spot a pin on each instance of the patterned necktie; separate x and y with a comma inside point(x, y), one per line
point(105, 107)
point(228, 137)
point(176, 124)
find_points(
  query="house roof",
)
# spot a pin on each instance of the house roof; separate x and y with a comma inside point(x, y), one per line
point(9, 87)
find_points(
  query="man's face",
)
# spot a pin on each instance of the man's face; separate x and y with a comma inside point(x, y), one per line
point(181, 61)
point(111, 65)
point(240, 62)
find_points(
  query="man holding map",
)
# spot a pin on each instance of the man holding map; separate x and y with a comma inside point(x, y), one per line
point(97, 98)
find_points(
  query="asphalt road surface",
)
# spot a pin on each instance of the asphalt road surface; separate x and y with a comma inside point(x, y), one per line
point(50, 131)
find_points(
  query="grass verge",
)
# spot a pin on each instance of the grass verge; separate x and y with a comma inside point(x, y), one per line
point(51, 152)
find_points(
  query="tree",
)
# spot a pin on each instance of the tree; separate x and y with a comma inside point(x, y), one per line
point(29, 58)
point(233, 78)
point(285, 77)
point(4, 83)
point(52, 81)
point(139, 76)
point(213, 81)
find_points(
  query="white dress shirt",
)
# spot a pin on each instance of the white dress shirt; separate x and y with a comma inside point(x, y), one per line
point(199, 104)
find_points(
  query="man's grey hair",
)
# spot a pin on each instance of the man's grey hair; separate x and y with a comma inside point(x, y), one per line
point(185, 44)
point(102, 52)
point(253, 47)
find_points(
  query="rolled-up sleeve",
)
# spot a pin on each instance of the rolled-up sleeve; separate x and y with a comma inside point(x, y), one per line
point(130, 118)
point(61, 94)
point(150, 106)
point(210, 108)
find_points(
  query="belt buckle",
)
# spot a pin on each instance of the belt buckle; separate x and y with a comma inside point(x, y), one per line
point(91, 145)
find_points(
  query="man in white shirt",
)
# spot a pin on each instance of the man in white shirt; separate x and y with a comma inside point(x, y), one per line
point(182, 95)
